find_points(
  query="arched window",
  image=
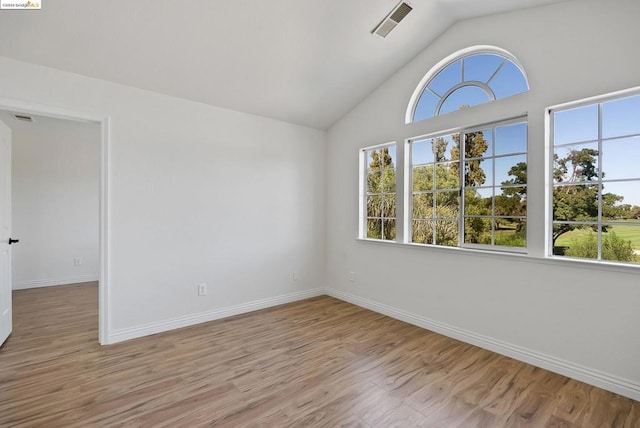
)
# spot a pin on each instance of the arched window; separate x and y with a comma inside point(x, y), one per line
point(467, 78)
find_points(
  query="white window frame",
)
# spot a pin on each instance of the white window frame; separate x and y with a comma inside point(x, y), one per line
point(599, 101)
point(362, 196)
point(408, 188)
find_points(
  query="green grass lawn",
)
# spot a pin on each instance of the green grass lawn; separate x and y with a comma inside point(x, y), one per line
point(629, 233)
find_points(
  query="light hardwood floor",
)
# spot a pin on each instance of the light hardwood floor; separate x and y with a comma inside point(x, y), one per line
point(318, 362)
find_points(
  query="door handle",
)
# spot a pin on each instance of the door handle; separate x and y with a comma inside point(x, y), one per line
point(13, 241)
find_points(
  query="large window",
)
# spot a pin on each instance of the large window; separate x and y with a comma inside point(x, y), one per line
point(467, 80)
point(469, 188)
point(378, 202)
point(596, 180)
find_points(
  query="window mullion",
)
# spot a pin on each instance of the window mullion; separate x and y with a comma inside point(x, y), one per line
point(493, 186)
point(434, 189)
point(497, 71)
point(461, 208)
point(600, 187)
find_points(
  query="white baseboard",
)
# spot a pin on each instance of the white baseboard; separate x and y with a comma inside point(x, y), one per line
point(158, 327)
point(37, 283)
point(566, 368)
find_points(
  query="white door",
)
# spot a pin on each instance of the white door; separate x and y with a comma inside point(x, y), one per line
point(5, 232)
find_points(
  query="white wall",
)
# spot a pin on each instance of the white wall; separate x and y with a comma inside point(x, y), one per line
point(55, 188)
point(575, 318)
point(197, 194)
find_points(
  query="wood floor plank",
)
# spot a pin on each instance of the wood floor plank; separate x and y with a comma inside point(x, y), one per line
point(318, 362)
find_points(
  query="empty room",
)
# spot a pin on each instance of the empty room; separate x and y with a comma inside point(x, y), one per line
point(289, 213)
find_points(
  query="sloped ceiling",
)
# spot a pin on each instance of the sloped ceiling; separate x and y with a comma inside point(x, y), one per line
point(301, 61)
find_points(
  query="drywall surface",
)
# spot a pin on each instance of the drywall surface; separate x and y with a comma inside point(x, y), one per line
point(55, 206)
point(574, 314)
point(196, 194)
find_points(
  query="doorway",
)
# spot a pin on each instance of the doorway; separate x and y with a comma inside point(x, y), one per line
point(60, 199)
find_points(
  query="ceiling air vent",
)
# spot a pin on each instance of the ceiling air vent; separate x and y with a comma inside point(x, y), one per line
point(23, 118)
point(395, 16)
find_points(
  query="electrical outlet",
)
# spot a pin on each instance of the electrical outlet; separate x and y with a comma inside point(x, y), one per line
point(77, 261)
point(352, 276)
point(295, 276)
point(202, 289)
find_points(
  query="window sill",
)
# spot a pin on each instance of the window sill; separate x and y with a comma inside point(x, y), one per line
point(552, 261)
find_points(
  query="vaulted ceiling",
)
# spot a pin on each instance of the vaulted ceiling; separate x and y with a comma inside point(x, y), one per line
point(306, 62)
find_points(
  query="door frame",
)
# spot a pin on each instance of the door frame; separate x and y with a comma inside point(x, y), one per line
point(19, 106)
